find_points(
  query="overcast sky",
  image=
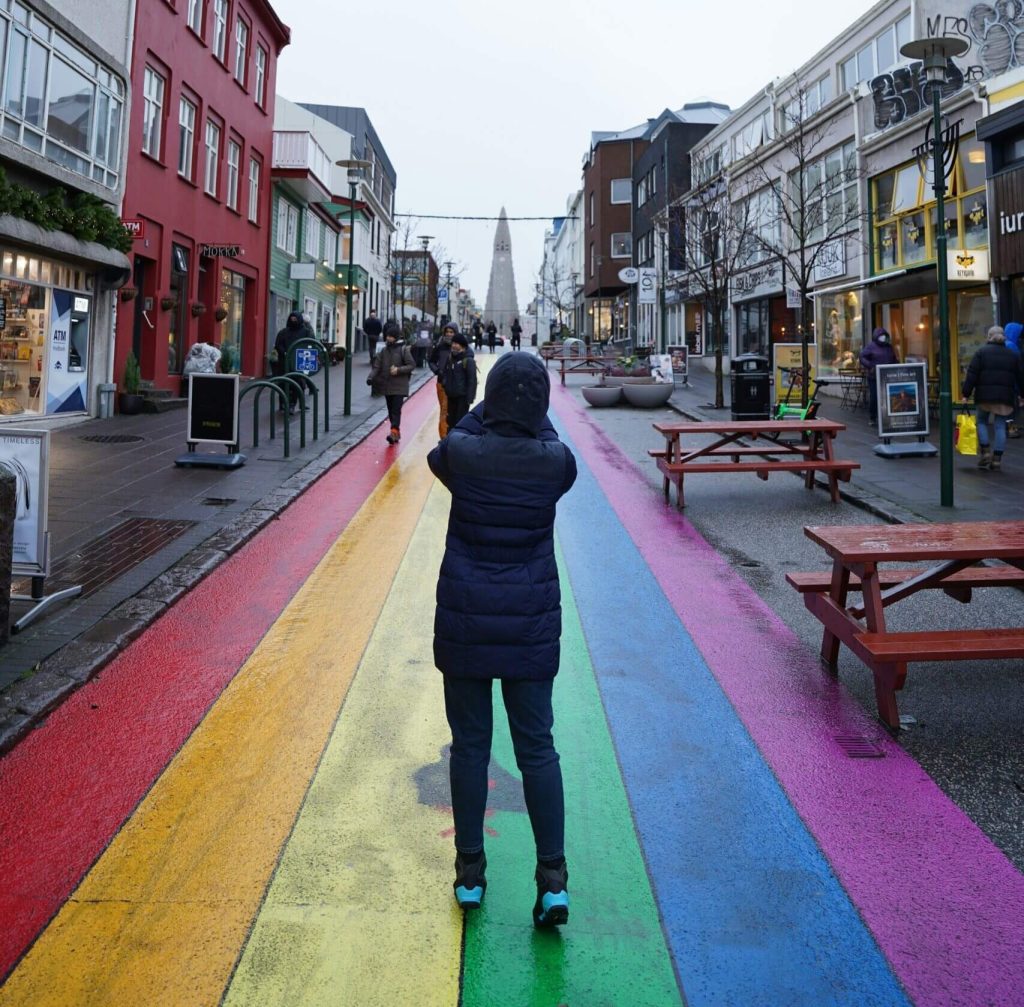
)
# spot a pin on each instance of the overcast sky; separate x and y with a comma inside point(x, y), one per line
point(483, 105)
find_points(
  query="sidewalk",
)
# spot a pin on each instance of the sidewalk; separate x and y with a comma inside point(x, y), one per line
point(138, 532)
point(903, 490)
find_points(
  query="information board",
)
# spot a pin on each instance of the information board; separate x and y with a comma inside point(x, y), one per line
point(902, 399)
point(787, 359)
point(680, 361)
point(26, 453)
point(213, 409)
point(307, 360)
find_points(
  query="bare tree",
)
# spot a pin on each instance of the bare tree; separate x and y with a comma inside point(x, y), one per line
point(558, 287)
point(803, 201)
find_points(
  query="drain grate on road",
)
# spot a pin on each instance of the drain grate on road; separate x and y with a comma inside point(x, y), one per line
point(217, 501)
point(856, 746)
point(110, 556)
point(112, 438)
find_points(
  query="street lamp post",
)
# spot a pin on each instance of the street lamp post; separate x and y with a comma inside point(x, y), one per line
point(425, 239)
point(448, 290)
point(935, 52)
point(355, 169)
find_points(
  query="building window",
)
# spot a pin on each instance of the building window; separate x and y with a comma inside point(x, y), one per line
point(287, 226)
point(195, 16)
point(241, 50)
point(829, 200)
point(186, 137)
point(621, 190)
point(622, 245)
point(234, 159)
point(593, 259)
point(212, 157)
point(312, 235)
point(590, 211)
point(880, 54)
point(152, 112)
point(802, 106)
point(254, 190)
point(220, 28)
point(261, 75)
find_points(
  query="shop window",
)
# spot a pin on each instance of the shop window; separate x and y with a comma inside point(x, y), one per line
point(232, 299)
point(23, 348)
point(839, 332)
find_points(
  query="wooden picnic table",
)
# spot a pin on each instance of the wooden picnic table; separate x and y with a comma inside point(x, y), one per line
point(792, 445)
point(950, 555)
point(583, 364)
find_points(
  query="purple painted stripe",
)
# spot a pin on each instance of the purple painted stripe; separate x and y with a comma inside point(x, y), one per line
point(944, 904)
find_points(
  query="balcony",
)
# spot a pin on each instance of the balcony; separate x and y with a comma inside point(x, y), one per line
point(302, 164)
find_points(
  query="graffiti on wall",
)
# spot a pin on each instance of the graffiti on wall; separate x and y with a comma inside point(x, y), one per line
point(994, 33)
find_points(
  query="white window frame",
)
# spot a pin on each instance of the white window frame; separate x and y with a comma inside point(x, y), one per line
point(186, 137)
point(234, 160)
point(220, 28)
point(241, 49)
point(194, 16)
point(212, 159)
point(254, 190)
point(259, 91)
point(152, 112)
point(312, 242)
point(620, 235)
point(611, 190)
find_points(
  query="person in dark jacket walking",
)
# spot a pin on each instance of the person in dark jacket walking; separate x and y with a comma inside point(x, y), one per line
point(294, 330)
point(478, 335)
point(492, 335)
point(390, 372)
point(1012, 331)
point(517, 334)
point(373, 328)
point(994, 376)
point(499, 616)
point(878, 351)
point(459, 379)
point(437, 360)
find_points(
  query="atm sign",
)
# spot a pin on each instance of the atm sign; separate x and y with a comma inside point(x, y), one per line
point(135, 227)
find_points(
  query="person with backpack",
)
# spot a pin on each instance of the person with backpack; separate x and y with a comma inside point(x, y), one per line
point(459, 379)
point(390, 373)
point(993, 377)
point(437, 360)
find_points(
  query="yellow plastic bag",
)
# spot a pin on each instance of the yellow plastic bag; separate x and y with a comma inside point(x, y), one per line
point(966, 439)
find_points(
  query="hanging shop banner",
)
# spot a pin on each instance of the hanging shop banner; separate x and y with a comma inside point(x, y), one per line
point(213, 409)
point(786, 366)
point(66, 383)
point(26, 453)
point(680, 362)
point(647, 286)
point(902, 399)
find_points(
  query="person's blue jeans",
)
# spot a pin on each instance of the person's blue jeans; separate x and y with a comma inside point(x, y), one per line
point(999, 444)
point(530, 719)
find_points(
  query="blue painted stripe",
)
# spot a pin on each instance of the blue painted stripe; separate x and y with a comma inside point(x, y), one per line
point(752, 912)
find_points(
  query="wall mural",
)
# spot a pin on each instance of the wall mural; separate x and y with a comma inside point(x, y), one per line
point(995, 34)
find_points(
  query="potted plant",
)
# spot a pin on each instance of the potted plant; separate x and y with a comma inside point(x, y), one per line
point(198, 308)
point(167, 303)
point(129, 293)
point(129, 402)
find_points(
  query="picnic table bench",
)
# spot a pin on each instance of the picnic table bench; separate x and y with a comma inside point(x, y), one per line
point(786, 446)
point(956, 551)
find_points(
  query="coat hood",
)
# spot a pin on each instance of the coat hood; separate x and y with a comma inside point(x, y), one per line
point(1012, 331)
point(453, 327)
point(294, 320)
point(516, 396)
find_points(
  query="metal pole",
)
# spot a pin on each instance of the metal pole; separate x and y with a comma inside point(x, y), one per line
point(348, 299)
point(945, 372)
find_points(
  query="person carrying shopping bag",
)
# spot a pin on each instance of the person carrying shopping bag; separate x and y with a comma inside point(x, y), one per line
point(994, 376)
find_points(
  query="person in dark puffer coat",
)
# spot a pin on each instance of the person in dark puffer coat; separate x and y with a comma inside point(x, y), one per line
point(994, 376)
point(499, 615)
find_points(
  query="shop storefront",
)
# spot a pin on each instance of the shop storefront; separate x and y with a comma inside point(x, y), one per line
point(762, 318)
point(47, 320)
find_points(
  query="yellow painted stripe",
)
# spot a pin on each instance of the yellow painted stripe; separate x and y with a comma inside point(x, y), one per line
point(360, 910)
point(1007, 94)
point(161, 917)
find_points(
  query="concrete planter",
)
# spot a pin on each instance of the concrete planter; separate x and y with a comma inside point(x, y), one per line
point(602, 395)
point(648, 396)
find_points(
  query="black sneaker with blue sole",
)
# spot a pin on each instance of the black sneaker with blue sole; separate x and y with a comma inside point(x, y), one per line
point(552, 906)
point(470, 883)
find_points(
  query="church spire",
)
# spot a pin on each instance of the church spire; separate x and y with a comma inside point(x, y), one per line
point(502, 305)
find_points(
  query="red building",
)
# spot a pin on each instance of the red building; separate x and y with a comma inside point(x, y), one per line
point(198, 183)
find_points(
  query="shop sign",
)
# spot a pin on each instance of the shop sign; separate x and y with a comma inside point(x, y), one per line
point(830, 261)
point(788, 359)
point(792, 298)
point(3, 313)
point(647, 289)
point(967, 264)
point(224, 251)
point(213, 409)
point(1007, 229)
point(301, 270)
point(630, 274)
point(26, 454)
point(135, 226)
point(902, 399)
point(758, 282)
point(680, 363)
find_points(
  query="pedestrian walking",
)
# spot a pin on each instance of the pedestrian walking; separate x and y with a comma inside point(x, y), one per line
point(390, 372)
point(517, 334)
point(478, 335)
point(499, 616)
point(878, 351)
point(373, 328)
point(438, 361)
point(1012, 331)
point(294, 330)
point(459, 379)
point(492, 335)
point(994, 376)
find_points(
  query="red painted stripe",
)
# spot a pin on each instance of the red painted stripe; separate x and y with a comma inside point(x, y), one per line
point(67, 788)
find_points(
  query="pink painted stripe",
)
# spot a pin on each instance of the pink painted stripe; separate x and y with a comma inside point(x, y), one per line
point(944, 904)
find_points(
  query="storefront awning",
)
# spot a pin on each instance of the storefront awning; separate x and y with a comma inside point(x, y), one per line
point(864, 281)
point(114, 265)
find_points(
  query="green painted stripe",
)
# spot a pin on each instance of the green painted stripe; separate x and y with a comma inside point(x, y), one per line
point(613, 950)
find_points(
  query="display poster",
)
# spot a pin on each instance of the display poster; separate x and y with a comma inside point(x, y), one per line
point(902, 399)
point(213, 409)
point(661, 368)
point(66, 386)
point(26, 454)
point(680, 361)
point(786, 364)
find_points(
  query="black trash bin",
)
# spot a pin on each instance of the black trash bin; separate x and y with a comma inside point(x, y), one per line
point(749, 382)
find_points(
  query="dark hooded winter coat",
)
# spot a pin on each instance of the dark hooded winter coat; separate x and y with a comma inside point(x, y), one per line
point(499, 609)
point(293, 331)
point(876, 353)
point(994, 375)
